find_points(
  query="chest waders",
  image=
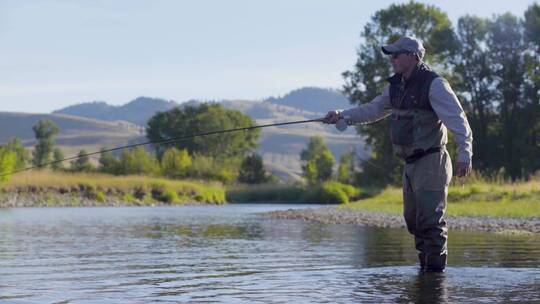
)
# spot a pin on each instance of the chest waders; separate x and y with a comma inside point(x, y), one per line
point(419, 137)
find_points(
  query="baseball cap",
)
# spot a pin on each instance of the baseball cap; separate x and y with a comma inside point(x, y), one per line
point(407, 44)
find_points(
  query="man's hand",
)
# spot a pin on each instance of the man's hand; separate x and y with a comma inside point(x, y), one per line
point(331, 117)
point(463, 169)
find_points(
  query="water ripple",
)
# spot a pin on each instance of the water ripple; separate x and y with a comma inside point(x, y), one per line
point(228, 254)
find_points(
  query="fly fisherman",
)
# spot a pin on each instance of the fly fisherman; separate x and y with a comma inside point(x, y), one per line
point(421, 105)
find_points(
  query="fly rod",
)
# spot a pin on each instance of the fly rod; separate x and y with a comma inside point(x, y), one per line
point(165, 141)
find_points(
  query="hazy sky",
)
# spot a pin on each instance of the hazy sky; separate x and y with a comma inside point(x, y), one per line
point(57, 53)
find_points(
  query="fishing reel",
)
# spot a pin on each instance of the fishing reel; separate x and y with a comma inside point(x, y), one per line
point(343, 123)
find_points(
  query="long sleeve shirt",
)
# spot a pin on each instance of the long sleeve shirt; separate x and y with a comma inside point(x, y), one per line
point(443, 101)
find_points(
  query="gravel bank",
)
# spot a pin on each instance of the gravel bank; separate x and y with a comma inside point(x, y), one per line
point(333, 215)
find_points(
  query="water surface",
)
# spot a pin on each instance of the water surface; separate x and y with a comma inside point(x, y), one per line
point(207, 254)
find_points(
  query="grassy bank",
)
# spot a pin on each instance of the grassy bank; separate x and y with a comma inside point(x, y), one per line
point(476, 198)
point(54, 188)
point(45, 188)
point(326, 193)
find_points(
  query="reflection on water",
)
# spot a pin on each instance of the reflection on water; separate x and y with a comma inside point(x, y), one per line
point(231, 254)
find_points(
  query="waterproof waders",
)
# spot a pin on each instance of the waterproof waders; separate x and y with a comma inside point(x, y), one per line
point(420, 138)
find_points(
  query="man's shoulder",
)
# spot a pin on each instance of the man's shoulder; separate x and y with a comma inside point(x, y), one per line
point(439, 82)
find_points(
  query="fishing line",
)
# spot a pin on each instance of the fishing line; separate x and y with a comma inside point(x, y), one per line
point(157, 142)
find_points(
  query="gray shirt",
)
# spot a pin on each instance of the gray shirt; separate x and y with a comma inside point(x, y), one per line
point(443, 101)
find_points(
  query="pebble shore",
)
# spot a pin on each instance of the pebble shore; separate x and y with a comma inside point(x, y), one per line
point(333, 215)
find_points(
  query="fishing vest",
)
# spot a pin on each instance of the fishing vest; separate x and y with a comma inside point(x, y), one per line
point(414, 126)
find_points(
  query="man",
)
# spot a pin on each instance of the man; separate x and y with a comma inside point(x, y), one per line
point(421, 105)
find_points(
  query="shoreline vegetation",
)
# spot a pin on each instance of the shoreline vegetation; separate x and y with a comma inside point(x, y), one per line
point(47, 188)
point(475, 205)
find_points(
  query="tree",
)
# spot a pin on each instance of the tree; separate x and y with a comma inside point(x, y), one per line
point(252, 170)
point(82, 163)
point(346, 168)
point(8, 163)
point(531, 24)
point(44, 131)
point(14, 145)
point(208, 168)
point(188, 120)
point(318, 161)
point(367, 79)
point(107, 162)
point(473, 84)
point(138, 161)
point(176, 163)
point(505, 38)
point(58, 155)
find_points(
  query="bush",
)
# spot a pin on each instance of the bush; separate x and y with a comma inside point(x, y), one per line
point(211, 195)
point(266, 193)
point(138, 162)
point(81, 164)
point(129, 198)
point(252, 170)
point(317, 161)
point(209, 168)
point(169, 196)
point(332, 193)
point(157, 190)
point(100, 197)
point(175, 163)
point(8, 162)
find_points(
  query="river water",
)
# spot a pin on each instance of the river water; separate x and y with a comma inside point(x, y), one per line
point(232, 254)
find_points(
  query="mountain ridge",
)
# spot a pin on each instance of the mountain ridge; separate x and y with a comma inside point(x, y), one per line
point(308, 99)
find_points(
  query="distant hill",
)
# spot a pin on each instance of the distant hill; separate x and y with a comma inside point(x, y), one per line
point(309, 99)
point(107, 125)
point(76, 133)
point(137, 111)
point(313, 99)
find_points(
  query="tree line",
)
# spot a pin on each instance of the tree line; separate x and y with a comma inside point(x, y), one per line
point(493, 64)
point(226, 157)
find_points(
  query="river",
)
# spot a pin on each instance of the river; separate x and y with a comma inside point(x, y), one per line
point(232, 254)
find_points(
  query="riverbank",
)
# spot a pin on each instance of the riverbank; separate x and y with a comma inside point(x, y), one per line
point(473, 205)
point(334, 215)
point(45, 188)
point(470, 199)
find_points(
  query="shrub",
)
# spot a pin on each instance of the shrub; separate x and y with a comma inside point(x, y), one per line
point(266, 193)
point(8, 162)
point(175, 163)
point(129, 198)
point(211, 195)
point(252, 170)
point(138, 161)
point(169, 196)
point(209, 168)
point(100, 197)
point(332, 193)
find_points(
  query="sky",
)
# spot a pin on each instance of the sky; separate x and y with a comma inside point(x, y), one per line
point(58, 53)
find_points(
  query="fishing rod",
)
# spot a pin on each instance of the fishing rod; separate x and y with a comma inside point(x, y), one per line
point(165, 141)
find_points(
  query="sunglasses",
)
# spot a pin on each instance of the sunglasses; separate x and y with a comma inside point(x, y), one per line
point(396, 54)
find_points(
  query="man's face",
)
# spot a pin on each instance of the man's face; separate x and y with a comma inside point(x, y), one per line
point(402, 62)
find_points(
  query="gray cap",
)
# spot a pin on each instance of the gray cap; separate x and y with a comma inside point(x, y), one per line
point(407, 44)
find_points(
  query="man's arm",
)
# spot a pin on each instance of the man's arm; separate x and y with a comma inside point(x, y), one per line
point(446, 104)
point(373, 111)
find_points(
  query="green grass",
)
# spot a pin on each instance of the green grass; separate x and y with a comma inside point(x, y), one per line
point(327, 193)
point(267, 193)
point(473, 199)
point(102, 187)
